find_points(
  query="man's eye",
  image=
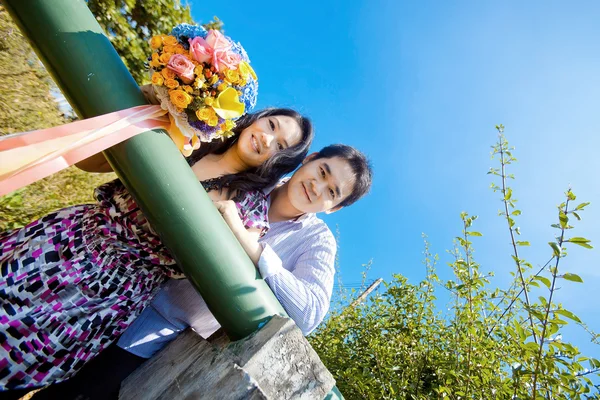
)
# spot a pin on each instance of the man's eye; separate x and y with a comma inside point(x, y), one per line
point(272, 125)
point(322, 172)
point(331, 193)
point(279, 146)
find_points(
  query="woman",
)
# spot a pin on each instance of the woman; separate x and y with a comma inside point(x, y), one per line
point(75, 279)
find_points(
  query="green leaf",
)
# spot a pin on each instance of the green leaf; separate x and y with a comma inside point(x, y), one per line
point(516, 212)
point(583, 242)
point(474, 234)
point(508, 194)
point(555, 248)
point(582, 206)
point(576, 215)
point(568, 314)
point(523, 243)
point(571, 195)
point(564, 220)
point(572, 277)
point(544, 280)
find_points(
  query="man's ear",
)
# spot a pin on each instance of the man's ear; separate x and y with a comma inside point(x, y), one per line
point(309, 158)
point(334, 209)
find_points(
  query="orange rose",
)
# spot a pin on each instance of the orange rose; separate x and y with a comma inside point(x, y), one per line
point(169, 41)
point(168, 73)
point(165, 57)
point(180, 98)
point(171, 83)
point(157, 79)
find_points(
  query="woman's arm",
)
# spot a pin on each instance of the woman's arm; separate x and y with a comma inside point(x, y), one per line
point(248, 238)
point(97, 162)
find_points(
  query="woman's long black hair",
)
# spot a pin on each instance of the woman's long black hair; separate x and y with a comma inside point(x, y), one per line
point(273, 169)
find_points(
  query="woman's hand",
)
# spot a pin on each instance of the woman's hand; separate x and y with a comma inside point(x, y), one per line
point(248, 238)
point(149, 94)
point(230, 214)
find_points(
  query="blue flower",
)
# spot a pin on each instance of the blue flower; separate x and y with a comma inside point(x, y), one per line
point(249, 94)
point(183, 32)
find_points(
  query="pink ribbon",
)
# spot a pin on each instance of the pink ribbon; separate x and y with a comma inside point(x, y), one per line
point(30, 156)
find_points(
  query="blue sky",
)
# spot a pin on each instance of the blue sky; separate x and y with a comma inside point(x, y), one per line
point(419, 86)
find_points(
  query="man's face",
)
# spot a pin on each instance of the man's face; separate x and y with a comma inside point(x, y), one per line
point(320, 185)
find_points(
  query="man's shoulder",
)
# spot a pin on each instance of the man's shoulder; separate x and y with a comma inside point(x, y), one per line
point(316, 228)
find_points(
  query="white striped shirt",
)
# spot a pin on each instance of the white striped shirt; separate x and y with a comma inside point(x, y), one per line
point(297, 263)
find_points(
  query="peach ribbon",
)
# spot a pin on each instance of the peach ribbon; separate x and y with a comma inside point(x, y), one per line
point(30, 156)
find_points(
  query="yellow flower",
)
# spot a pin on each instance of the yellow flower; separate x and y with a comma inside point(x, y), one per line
point(187, 88)
point(227, 104)
point(199, 70)
point(171, 83)
point(157, 79)
point(156, 42)
point(222, 87)
point(155, 63)
point(232, 75)
point(168, 73)
point(204, 114)
point(199, 81)
point(209, 101)
point(229, 125)
point(170, 40)
point(180, 98)
point(213, 80)
point(169, 49)
point(165, 57)
point(213, 121)
point(246, 70)
point(179, 49)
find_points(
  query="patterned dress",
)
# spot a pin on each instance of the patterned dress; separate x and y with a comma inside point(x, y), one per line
point(74, 280)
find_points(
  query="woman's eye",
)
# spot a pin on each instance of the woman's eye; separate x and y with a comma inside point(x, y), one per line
point(272, 125)
point(279, 146)
point(331, 193)
point(322, 172)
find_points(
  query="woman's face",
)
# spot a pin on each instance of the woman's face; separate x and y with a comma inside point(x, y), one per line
point(267, 136)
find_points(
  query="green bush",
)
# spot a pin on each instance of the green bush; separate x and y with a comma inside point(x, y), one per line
point(491, 344)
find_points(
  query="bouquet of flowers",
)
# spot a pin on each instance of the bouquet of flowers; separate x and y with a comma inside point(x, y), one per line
point(204, 80)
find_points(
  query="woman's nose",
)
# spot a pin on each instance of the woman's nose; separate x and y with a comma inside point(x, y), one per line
point(267, 139)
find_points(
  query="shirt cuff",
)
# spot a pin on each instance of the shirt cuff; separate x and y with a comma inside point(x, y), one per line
point(269, 262)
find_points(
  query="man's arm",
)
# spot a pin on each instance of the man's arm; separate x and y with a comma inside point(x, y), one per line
point(304, 289)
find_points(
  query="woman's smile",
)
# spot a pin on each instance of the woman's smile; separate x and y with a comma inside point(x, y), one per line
point(255, 144)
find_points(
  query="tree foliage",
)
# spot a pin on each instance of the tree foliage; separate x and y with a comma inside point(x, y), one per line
point(130, 24)
point(488, 344)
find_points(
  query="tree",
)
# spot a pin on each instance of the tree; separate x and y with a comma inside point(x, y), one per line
point(489, 344)
point(130, 24)
point(26, 102)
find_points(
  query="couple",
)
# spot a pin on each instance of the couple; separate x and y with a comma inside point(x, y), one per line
point(74, 280)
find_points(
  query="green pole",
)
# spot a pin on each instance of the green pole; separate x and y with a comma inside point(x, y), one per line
point(86, 67)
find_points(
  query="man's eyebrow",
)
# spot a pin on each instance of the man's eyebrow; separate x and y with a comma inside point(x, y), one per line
point(328, 170)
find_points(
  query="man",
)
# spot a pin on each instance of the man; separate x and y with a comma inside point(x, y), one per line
point(296, 258)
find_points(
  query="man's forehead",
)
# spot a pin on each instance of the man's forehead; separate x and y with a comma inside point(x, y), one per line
point(339, 168)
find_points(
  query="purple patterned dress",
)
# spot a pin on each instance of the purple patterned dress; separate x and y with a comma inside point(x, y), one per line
point(74, 280)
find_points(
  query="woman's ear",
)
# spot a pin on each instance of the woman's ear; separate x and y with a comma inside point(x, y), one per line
point(309, 158)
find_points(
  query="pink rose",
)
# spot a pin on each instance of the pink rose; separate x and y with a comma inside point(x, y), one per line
point(225, 59)
point(217, 41)
point(200, 50)
point(183, 67)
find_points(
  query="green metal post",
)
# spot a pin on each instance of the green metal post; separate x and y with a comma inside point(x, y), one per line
point(86, 67)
